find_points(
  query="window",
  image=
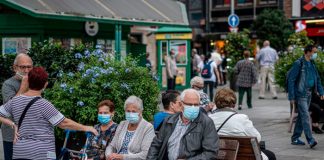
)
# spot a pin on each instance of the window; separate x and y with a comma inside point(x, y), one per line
point(180, 50)
point(15, 45)
point(195, 18)
point(221, 3)
point(244, 2)
point(195, 4)
point(267, 1)
point(164, 50)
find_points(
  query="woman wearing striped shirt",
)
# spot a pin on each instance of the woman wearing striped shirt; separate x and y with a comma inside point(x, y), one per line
point(36, 139)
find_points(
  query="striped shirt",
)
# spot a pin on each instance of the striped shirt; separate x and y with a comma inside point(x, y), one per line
point(175, 139)
point(267, 56)
point(9, 89)
point(36, 134)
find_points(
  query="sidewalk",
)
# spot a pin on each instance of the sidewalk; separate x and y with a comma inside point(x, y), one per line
point(271, 118)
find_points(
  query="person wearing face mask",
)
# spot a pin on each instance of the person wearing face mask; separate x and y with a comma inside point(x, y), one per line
point(14, 86)
point(34, 131)
point(188, 134)
point(106, 129)
point(171, 104)
point(133, 136)
point(303, 80)
point(197, 83)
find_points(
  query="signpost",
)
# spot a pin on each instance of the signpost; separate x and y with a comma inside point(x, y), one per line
point(233, 21)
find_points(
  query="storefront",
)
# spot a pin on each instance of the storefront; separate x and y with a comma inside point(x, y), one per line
point(104, 23)
point(179, 40)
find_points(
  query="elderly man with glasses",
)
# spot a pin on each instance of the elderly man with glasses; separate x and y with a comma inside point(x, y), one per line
point(189, 134)
point(14, 86)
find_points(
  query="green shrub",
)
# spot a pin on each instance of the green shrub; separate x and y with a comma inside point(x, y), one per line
point(6, 71)
point(98, 77)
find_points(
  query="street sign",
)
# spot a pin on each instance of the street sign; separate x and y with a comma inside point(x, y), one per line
point(233, 20)
point(233, 29)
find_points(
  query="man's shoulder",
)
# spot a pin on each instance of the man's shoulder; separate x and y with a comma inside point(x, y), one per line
point(10, 80)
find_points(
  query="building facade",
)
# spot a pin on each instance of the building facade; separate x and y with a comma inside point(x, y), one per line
point(307, 15)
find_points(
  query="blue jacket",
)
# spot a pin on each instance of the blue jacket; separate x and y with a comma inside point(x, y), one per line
point(297, 83)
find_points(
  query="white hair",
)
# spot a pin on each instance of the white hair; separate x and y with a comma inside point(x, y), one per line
point(21, 55)
point(196, 80)
point(190, 90)
point(135, 101)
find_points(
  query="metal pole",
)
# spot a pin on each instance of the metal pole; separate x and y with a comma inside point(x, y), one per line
point(207, 25)
point(232, 7)
point(254, 9)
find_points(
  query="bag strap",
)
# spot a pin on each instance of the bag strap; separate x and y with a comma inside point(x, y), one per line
point(25, 110)
point(226, 121)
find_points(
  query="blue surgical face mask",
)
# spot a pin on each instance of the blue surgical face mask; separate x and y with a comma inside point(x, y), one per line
point(132, 118)
point(190, 112)
point(104, 118)
point(314, 56)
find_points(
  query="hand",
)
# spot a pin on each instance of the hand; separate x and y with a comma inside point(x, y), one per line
point(210, 106)
point(292, 102)
point(16, 133)
point(322, 97)
point(92, 130)
point(115, 156)
point(24, 84)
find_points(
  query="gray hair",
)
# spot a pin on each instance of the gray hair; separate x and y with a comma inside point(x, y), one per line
point(196, 80)
point(135, 101)
point(190, 90)
point(21, 55)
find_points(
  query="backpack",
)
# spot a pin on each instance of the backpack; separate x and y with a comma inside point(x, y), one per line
point(289, 73)
point(206, 71)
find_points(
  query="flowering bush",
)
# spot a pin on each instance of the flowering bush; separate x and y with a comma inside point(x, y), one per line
point(98, 77)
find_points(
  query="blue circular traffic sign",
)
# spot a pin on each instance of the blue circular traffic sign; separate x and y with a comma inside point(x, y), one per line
point(233, 20)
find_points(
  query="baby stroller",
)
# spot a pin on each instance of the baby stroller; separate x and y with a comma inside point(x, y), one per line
point(71, 154)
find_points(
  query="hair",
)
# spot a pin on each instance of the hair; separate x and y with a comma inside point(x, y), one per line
point(190, 90)
point(107, 103)
point(309, 48)
point(225, 97)
point(135, 101)
point(21, 55)
point(37, 78)
point(196, 81)
point(147, 54)
point(207, 57)
point(168, 97)
point(246, 53)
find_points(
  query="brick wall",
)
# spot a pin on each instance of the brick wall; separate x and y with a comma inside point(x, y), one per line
point(287, 7)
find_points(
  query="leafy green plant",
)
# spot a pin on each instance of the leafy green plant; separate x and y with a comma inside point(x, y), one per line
point(299, 39)
point(6, 71)
point(97, 77)
point(272, 25)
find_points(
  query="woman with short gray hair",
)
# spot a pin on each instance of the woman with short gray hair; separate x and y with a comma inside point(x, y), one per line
point(133, 137)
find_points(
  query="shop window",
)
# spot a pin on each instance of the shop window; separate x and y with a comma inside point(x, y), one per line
point(164, 50)
point(244, 2)
point(180, 50)
point(12, 45)
point(267, 1)
point(195, 4)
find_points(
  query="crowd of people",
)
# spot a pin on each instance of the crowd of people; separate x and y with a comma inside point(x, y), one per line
point(186, 128)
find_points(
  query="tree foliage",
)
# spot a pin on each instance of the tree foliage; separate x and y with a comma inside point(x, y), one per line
point(272, 25)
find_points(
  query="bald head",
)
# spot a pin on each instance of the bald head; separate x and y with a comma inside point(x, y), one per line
point(22, 57)
point(266, 43)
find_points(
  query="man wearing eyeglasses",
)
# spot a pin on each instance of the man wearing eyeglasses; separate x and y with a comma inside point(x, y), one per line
point(14, 86)
point(189, 134)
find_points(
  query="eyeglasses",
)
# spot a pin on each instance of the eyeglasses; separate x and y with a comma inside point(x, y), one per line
point(25, 67)
point(190, 104)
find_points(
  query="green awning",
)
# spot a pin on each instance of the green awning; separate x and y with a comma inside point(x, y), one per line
point(125, 12)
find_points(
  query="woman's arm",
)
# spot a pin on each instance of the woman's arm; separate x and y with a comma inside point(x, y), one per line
point(12, 124)
point(70, 124)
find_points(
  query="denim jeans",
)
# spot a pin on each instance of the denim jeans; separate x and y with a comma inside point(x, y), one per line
point(248, 91)
point(303, 123)
point(7, 148)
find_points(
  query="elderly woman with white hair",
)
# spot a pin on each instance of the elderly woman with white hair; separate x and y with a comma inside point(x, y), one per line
point(133, 137)
point(197, 83)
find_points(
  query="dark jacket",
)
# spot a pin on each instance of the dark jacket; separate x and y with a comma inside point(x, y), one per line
point(199, 142)
point(297, 82)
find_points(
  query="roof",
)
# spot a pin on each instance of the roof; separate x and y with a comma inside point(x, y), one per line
point(128, 12)
point(174, 29)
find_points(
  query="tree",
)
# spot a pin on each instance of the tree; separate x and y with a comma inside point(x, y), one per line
point(272, 25)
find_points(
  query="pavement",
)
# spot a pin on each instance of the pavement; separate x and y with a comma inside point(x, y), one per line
point(271, 118)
